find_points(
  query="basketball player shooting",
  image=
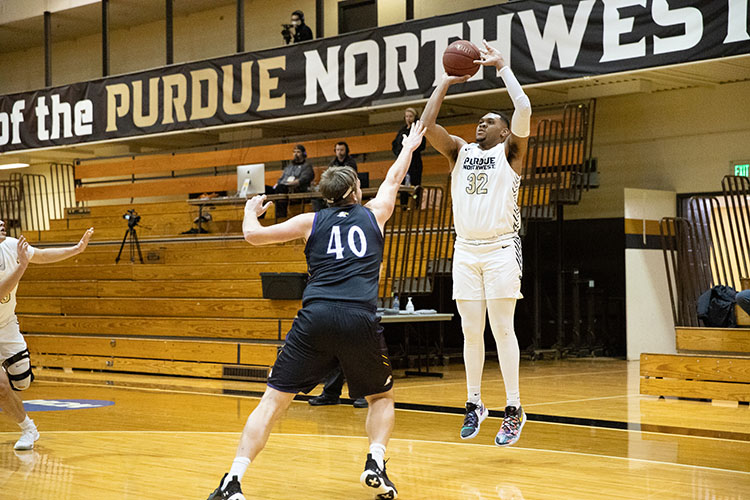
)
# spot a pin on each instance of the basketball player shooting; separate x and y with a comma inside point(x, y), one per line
point(487, 262)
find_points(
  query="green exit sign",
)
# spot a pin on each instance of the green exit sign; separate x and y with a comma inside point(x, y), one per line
point(742, 169)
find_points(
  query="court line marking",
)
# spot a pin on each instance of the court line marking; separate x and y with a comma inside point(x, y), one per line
point(196, 391)
point(156, 389)
point(463, 382)
point(563, 401)
point(577, 426)
point(515, 449)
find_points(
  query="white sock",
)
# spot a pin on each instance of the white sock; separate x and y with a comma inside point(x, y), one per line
point(27, 424)
point(513, 399)
point(377, 451)
point(239, 466)
point(475, 396)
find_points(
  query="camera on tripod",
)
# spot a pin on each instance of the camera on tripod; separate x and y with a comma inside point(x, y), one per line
point(286, 32)
point(132, 217)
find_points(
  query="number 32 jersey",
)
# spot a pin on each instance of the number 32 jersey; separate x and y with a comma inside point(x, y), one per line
point(484, 189)
point(344, 253)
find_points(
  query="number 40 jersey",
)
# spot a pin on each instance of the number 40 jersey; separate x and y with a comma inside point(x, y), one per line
point(484, 189)
point(344, 253)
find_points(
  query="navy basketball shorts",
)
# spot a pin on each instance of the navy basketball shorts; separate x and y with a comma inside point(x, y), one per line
point(325, 334)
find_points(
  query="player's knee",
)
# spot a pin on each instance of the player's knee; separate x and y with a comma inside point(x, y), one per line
point(18, 370)
point(473, 330)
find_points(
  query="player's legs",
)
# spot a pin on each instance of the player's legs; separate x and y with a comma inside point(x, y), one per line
point(258, 427)
point(301, 364)
point(501, 320)
point(16, 374)
point(381, 417)
point(254, 437)
point(363, 354)
point(10, 403)
point(473, 314)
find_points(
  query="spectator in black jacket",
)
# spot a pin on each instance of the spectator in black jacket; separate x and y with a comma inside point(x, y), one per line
point(342, 158)
point(302, 32)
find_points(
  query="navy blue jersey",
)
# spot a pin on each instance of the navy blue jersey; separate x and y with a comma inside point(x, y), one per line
point(344, 252)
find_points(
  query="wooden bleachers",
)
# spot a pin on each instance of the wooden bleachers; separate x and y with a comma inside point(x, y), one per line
point(197, 311)
point(378, 144)
point(89, 313)
point(712, 363)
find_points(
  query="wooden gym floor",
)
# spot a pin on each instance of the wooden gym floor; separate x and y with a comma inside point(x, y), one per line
point(590, 435)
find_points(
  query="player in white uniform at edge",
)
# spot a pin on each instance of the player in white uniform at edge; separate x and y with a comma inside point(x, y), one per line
point(16, 374)
point(487, 262)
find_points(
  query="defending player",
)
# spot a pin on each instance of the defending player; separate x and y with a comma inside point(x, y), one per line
point(337, 322)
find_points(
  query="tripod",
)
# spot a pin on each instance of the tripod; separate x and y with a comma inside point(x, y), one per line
point(130, 231)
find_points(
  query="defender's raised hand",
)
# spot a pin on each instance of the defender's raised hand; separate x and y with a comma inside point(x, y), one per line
point(414, 139)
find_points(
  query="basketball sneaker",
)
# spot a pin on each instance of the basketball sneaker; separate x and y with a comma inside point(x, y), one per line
point(27, 440)
point(233, 491)
point(513, 422)
point(475, 415)
point(376, 480)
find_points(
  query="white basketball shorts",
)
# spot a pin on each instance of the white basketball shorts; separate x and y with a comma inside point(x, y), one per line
point(487, 270)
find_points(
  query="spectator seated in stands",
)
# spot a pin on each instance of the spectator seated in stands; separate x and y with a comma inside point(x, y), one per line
point(295, 178)
point(342, 158)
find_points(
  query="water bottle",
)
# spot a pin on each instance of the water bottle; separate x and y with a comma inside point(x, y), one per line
point(409, 307)
point(407, 180)
point(396, 305)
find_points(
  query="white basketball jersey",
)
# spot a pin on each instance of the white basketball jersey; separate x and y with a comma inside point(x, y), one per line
point(484, 188)
point(8, 264)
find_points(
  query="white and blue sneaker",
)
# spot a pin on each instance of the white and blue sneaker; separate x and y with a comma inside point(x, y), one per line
point(475, 415)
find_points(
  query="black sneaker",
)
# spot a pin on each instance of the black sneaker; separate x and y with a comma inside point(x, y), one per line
point(376, 480)
point(324, 400)
point(360, 403)
point(233, 491)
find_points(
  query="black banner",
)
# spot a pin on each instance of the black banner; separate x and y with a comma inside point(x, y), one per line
point(542, 40)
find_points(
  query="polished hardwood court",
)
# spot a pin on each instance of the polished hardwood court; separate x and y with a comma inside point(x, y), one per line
point(590, 435)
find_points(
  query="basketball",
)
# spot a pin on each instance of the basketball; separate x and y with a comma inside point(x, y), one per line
point(459, 57)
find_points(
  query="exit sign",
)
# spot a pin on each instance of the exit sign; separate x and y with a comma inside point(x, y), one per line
point(742, 169)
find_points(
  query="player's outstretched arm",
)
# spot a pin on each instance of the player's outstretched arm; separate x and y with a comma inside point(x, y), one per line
point(448, 145)
point(49, 255)
point(383, 203)
point(520, 123)
point(297, 227)
point(8, 282)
